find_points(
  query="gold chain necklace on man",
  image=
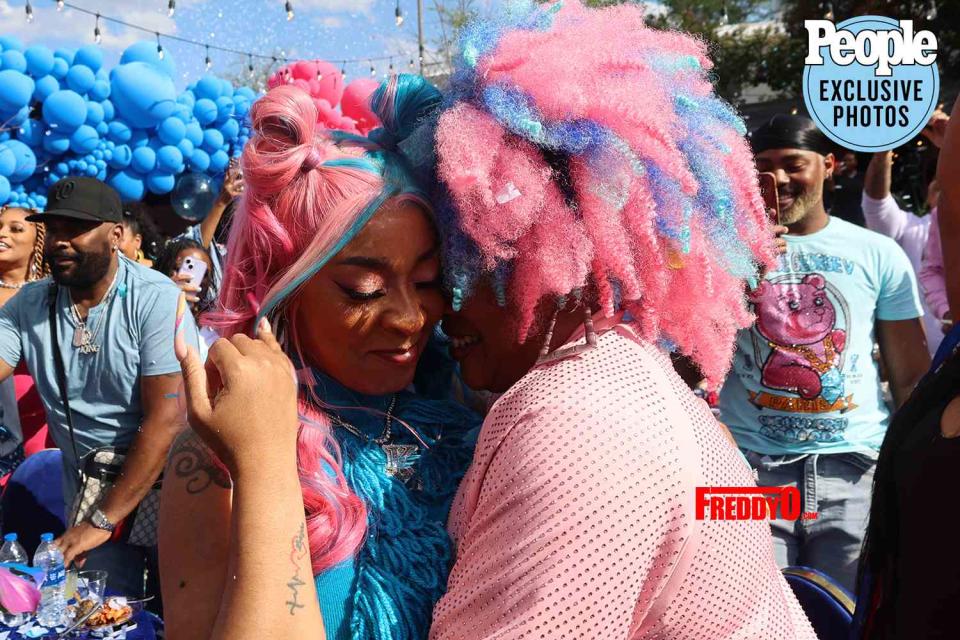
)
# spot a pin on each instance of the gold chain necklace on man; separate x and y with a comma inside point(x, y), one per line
point(821, 366)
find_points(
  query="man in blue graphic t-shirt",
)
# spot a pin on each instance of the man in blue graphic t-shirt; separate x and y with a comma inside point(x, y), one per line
point(804, 399)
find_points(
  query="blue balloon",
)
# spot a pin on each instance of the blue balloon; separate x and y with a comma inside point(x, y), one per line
point(172, 130)
point(102, 129)
point(247, 92)
point(230, 129)
point(226, 89)
point(199, 161)
point(19, 118)
point(89, 55)
point(100, 90)
point(16, 89)
point(60, 68)
point(31, 133)
point(146, 52)
point(195, 133)
point(212, 140)
point(193, 196)
point(26, 161)
point(225, 108)
point(208, 87)
point(4, 190)
point(128, 185)
point(84, 140)
point(205, 111)
point(66, 55)
point(13, 60)
point(62, 168)
point(8, 161)
point(80, 79)
point(144, 160)
point(219, 161)
point(39, 60)
point(56, 143)
point(108, 111)
point(241, 106)
point(94, 113)
point(169, 159)
point(45, 86)
point(92, 170)
point(184, 114)
point(139, 138)
point(143, 96)
point(10, 42)
point(186, 148)
point(120, 157)
point(187, 99)
point(119, 131)
point(65, 110)
point(160, 183)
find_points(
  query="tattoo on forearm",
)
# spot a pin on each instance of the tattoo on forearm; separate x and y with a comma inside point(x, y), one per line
point(192, 460)
point(298, 550)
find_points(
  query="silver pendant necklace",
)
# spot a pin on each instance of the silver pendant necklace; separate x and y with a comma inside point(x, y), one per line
point(401, 458)
point(83, 337)
point(11, 285)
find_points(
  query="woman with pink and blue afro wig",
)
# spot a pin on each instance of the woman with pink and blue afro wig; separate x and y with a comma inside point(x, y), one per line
point(600, 210)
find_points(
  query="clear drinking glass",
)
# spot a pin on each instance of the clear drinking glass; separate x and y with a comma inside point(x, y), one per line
point(93, 583)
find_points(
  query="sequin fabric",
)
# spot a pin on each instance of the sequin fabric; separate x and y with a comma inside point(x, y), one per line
point(576, 519)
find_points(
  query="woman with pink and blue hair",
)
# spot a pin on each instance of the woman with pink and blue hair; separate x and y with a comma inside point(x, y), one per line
point(334, 257)
point(601, 213)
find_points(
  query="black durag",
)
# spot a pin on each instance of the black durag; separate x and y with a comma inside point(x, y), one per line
point(790, 132)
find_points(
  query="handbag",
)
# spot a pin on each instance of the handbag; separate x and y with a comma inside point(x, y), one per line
point(100, 468)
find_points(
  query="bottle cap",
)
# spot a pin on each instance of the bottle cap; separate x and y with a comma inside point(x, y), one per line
point(47, 537)
point(10, 537)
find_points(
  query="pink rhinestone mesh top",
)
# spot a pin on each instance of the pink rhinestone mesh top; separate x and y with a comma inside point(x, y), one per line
point(576, 519)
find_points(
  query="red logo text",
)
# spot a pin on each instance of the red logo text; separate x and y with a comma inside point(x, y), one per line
point(750, 503)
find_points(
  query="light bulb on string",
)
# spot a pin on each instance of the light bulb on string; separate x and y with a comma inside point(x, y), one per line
point(250, 64)
point(373, 71)
point(96, 31)
point(829, 11)
point(390, 71)
point(932, 11)
point(343, 72)
point(159, 46)
point(59, 5)
point(208, 62)
point(171, 8)
point(319, 73)
point(288, 6)
point(398, 14)
point(29, 10)
point(412, 65)
point(725, 18)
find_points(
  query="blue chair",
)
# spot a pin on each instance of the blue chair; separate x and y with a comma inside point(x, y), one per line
point(828, 606)
point(32, 503)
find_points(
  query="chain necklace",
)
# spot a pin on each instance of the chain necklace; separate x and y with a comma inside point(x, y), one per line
point(83, 338)
point(401, 458)
point(821, 366)
point(8, 285)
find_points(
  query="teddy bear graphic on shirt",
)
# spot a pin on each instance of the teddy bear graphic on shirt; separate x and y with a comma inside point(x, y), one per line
point(798, 322)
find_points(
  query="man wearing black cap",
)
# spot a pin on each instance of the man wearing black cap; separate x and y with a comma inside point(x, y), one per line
point(112, 323)
point(804, 399)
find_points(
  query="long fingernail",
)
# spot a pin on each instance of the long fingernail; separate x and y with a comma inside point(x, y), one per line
point(264, 326)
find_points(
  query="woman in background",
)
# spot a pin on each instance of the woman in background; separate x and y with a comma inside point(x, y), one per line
point(23, 429)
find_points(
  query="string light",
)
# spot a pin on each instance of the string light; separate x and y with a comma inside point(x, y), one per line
point(829, 12)
point(171, 8)
point(96, 31)
point(932, 11)
point(59, 5)
point(250, 64)
point(289, 8)
point(29, 10)
point(725, 18)
point(390, 71)
point(159, 46)
point(411, 64)
point(208, 62)
point(398, 14)
point(319, 73)
point(343, 71)
point(373, 72)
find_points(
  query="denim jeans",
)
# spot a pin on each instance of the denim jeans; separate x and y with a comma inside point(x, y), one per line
point(838, 487)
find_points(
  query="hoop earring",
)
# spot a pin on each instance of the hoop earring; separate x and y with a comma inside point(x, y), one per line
point(140, 255)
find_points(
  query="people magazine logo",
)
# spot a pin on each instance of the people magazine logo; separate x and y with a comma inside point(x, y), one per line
point(870, 82)
point(750, 503)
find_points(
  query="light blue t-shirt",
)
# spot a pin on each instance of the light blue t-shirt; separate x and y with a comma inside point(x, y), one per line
point(803, 378)
point(136, 340)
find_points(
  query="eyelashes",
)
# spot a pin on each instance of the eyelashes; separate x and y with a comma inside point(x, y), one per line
point(367, 296)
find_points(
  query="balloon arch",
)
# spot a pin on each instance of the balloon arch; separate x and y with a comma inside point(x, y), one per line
point(63, 114)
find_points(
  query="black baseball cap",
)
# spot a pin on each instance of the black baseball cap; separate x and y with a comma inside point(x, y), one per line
point(81, 199)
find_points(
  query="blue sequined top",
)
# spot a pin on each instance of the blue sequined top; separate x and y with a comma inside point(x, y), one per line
point(388, 590)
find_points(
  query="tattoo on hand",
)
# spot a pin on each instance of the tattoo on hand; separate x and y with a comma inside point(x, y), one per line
point(191, 459)
point(298, 549)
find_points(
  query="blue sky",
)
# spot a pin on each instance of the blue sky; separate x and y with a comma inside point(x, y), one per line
point(326, 29)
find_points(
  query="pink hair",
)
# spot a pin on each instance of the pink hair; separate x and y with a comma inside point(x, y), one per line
point(290, 216)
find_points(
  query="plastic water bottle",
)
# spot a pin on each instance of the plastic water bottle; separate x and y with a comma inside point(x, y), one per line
point(11, 551)
point(53, 604)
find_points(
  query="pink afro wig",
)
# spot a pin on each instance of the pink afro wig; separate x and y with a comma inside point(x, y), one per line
point(585, 153)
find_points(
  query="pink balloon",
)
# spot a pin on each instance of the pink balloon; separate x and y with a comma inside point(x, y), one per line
point(330, 81)
point(355, 103)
